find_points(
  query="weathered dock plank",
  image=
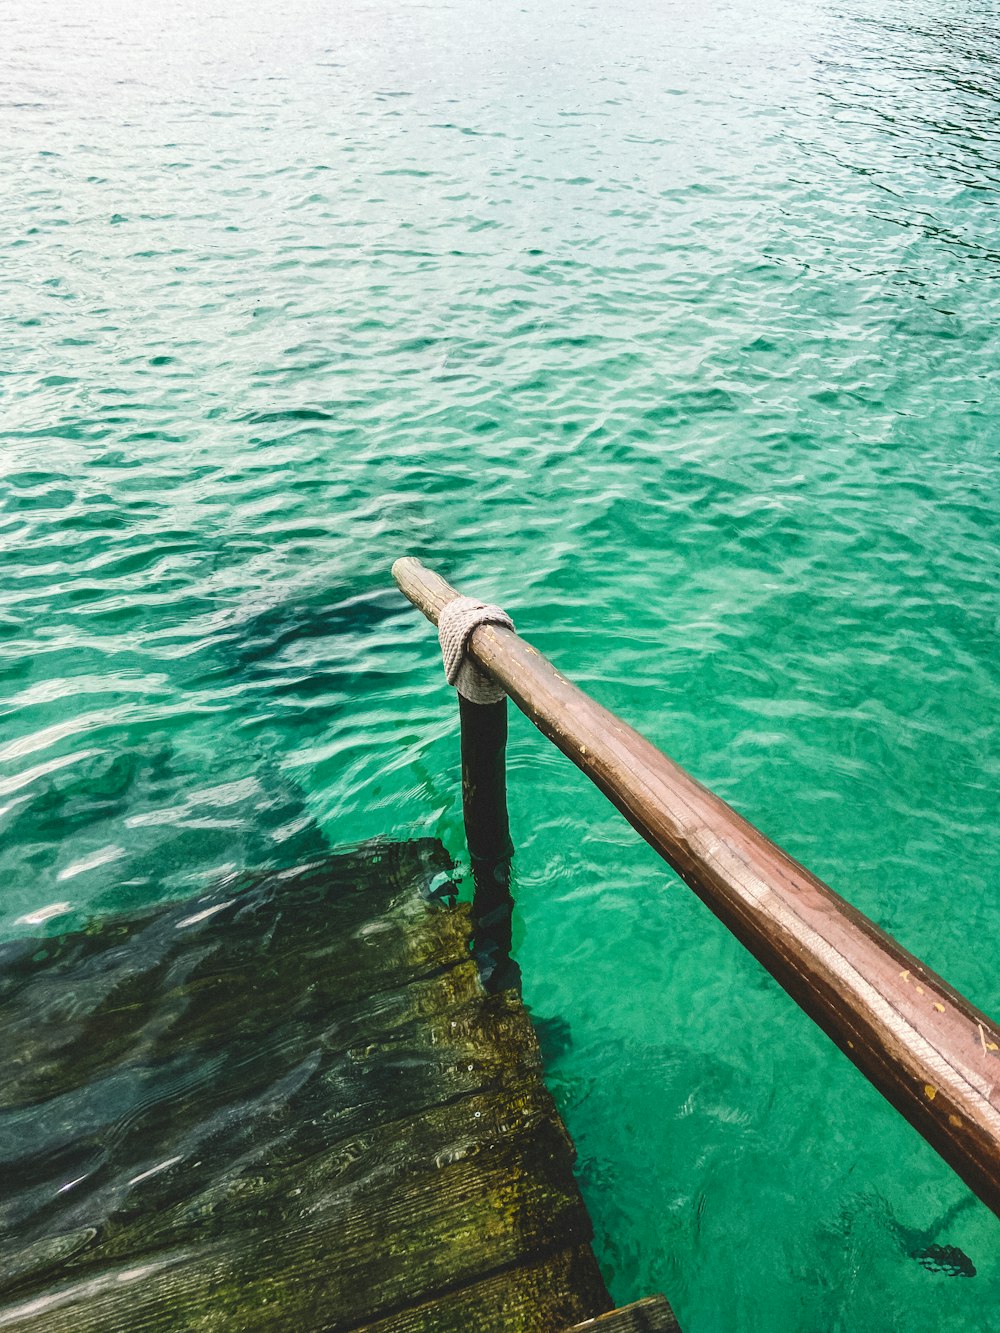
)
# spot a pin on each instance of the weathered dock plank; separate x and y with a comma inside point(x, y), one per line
point(651, 1315)
point(533, 1297)
point(288, 1105)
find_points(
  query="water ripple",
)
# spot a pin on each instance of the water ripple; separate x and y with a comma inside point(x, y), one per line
point(671, 328)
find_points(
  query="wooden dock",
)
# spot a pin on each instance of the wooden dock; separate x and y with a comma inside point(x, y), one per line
point(287, 1105)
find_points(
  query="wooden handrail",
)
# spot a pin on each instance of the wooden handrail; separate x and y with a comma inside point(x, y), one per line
point(929, 1052)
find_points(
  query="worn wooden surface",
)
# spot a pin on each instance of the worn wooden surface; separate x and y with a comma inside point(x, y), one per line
point(291, 1106)
point(930, 1052)
point(652, 1315)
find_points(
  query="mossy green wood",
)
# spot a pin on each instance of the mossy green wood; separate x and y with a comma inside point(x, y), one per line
point(289, 1105)
point(532, 1297)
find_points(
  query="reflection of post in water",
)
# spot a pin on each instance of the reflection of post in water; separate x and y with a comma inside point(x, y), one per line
point(487, 832)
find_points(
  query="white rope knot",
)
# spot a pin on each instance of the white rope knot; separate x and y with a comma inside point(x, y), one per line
point(455, 625)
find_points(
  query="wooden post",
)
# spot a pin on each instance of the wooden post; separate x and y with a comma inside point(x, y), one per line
point(487, 832)
point(484, 779)
point(484, 802)
point(930, 1052)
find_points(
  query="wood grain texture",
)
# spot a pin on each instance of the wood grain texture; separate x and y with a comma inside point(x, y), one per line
point(652, 1315)
point(926, 1048)
point(536, 1296)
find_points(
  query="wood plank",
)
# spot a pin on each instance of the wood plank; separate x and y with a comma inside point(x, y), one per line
point(353, 885)
point(277, 1109)
point(533, 1297)
point(930, 1052)
point(341, 1269)
point(651, 1315)
point(285, 1183)
point(86, 1002)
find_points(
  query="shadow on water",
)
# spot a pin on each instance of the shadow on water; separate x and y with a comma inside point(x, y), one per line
point(921, 1244)
point(871, 1215)
point(181, 799)
point(254, 640)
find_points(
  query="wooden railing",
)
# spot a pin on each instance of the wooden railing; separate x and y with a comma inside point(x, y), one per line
point(933, 1055)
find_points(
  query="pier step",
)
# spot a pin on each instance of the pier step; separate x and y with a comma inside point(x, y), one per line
point(287, 1105)
point(652, 1315)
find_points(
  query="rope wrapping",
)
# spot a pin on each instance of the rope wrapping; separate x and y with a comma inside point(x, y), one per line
point(456, 623)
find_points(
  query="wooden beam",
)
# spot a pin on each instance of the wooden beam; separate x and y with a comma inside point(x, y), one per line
point(933, 1055)
point(652, 1315)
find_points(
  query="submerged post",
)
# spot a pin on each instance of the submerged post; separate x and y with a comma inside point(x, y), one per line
point(484, 779)
point(487, 833)
point(482, 707)
point(930, 1052)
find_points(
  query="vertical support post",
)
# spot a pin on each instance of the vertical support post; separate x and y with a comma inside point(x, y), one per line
point(487, 832)
point(484, 779)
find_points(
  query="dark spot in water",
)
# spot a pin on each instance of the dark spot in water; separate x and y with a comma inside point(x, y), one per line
point(293, 414)
point(260, 638)
point(555, 1037)
point(947, 1259)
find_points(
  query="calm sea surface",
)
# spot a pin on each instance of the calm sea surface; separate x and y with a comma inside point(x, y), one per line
point(672, 327)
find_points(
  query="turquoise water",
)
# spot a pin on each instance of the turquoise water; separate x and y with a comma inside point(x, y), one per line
point(671, 328)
